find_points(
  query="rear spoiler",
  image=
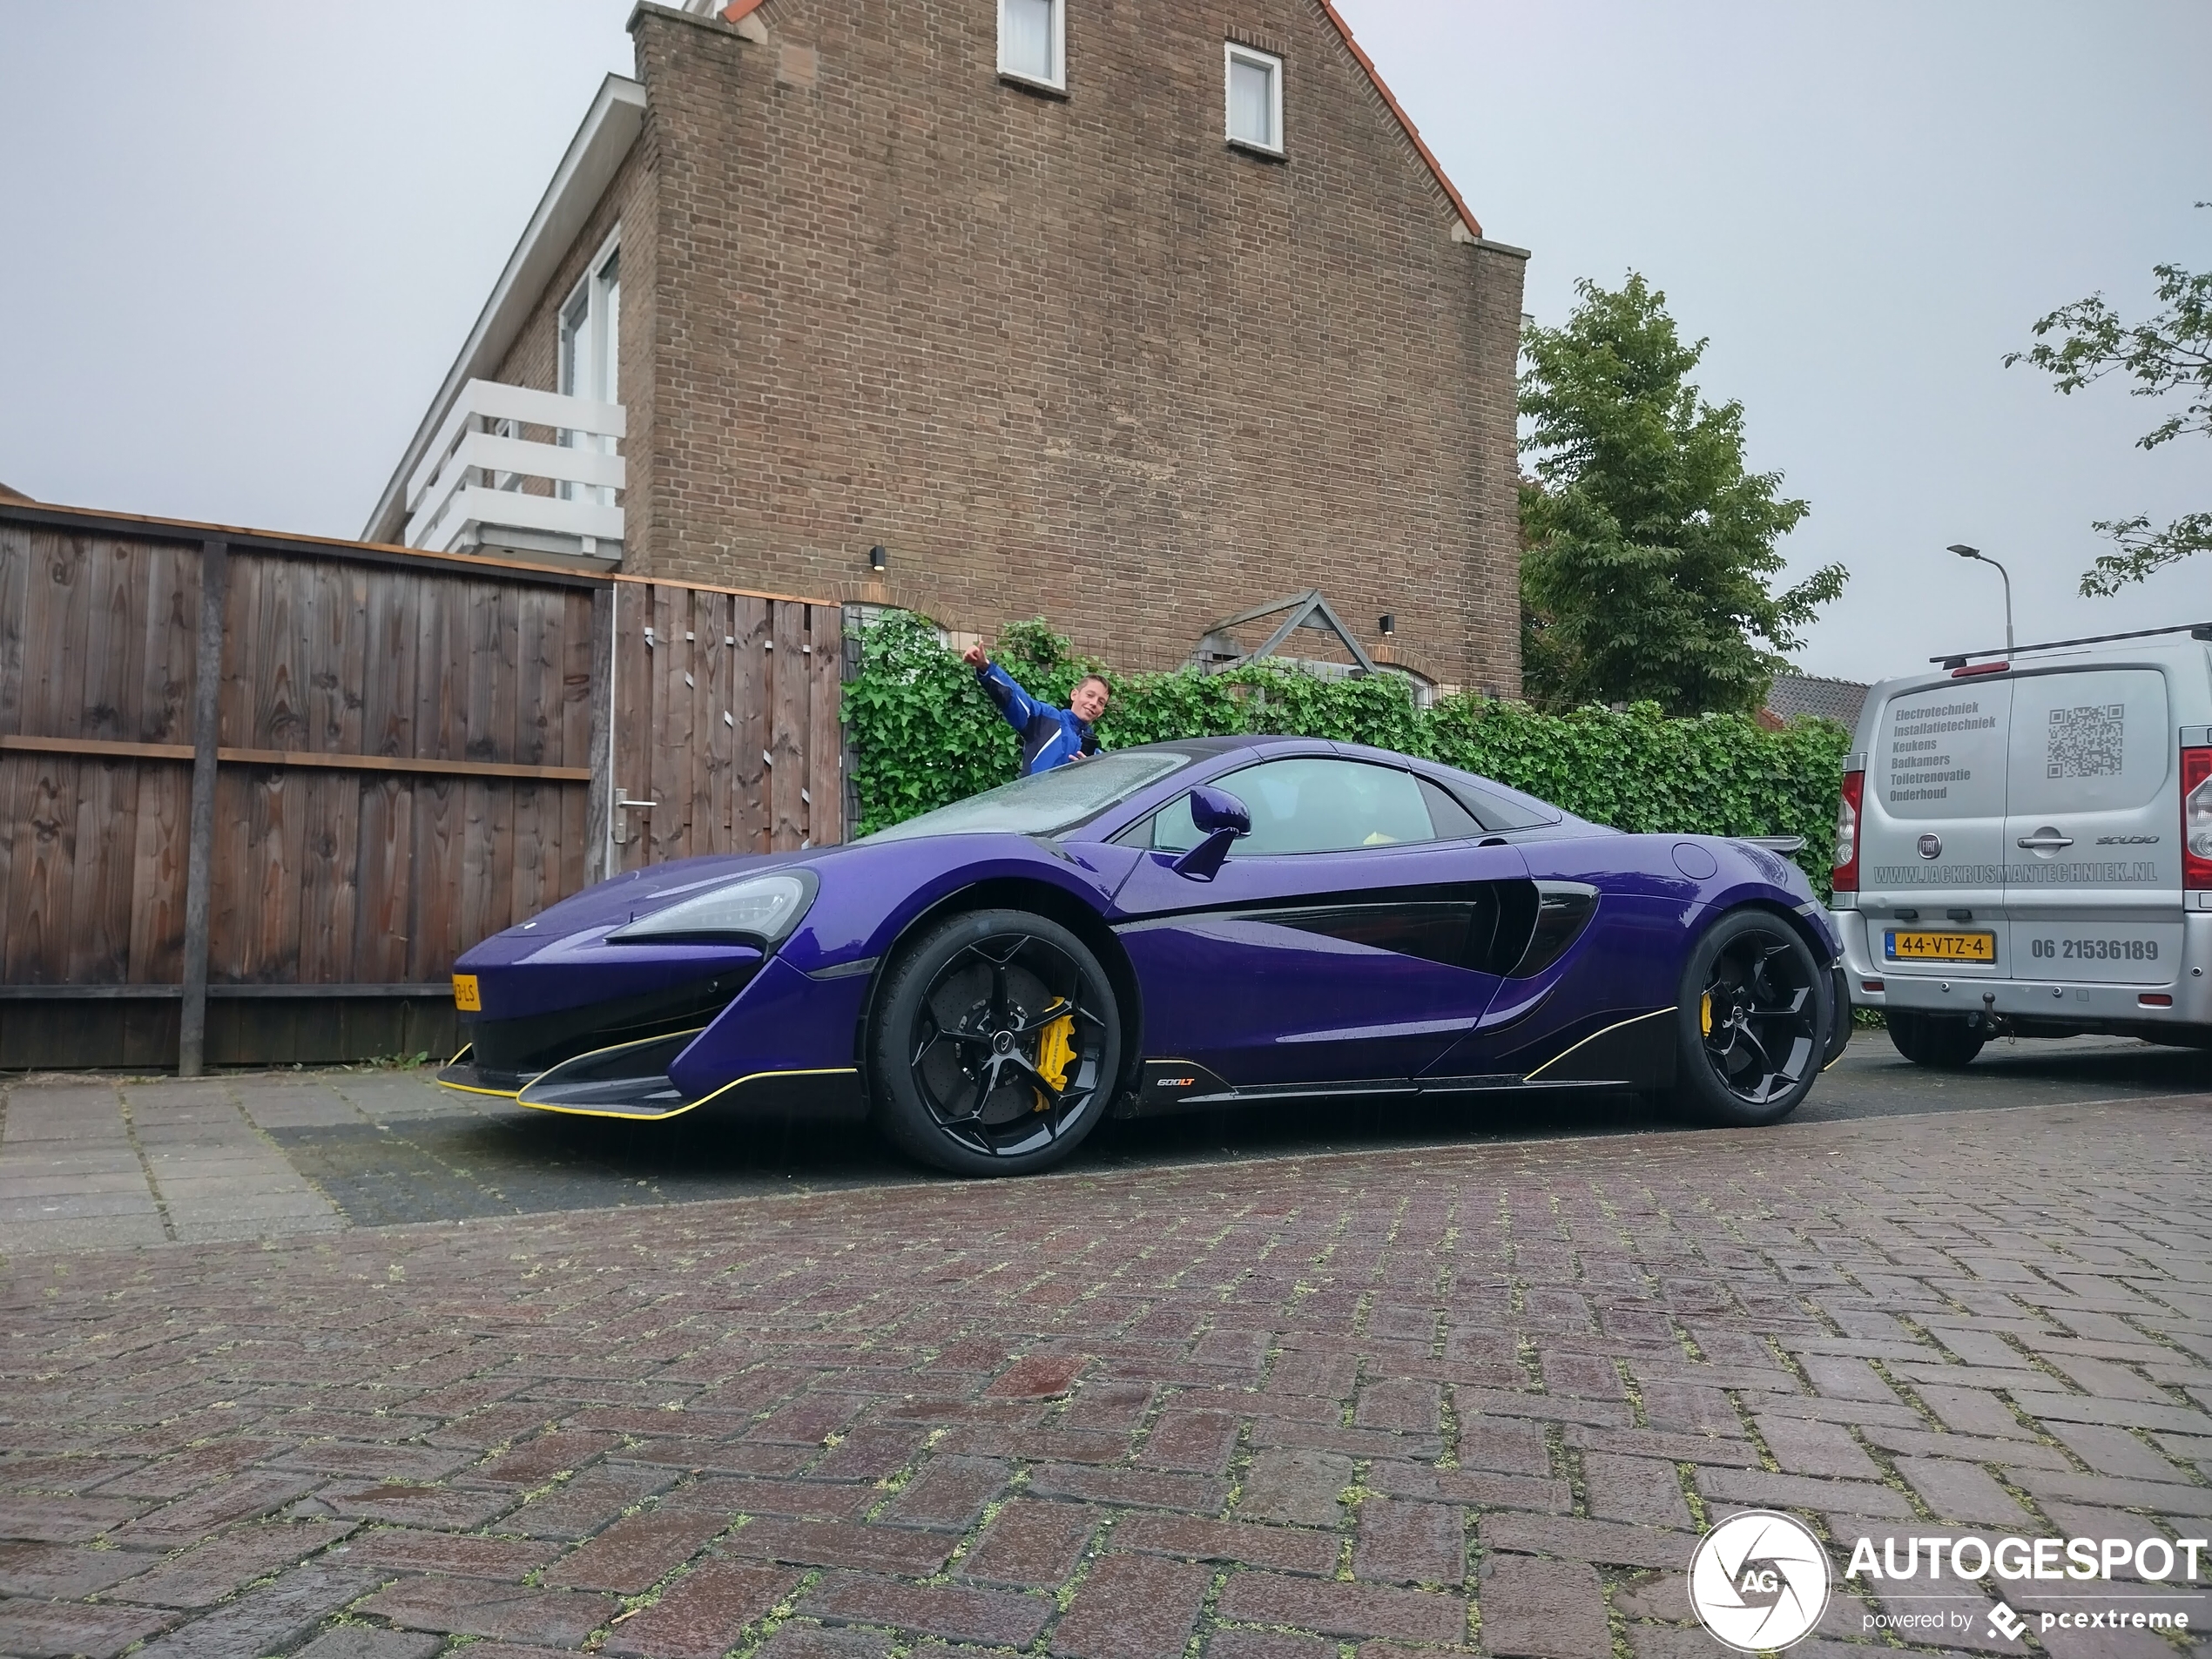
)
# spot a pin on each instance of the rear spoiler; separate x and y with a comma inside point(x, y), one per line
point(1772, 843)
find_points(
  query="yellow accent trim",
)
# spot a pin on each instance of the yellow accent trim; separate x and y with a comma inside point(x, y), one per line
point(1593, 1037)
point(466, 996)
point(691, 1106)
point(471, 1088)
point(459, 1055)
point(611, 1048)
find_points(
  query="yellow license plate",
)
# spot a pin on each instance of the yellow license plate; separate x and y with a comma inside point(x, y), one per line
point(1939, 947)
point(464, 994)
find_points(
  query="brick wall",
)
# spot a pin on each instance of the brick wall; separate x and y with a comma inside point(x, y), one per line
point(1076, 357)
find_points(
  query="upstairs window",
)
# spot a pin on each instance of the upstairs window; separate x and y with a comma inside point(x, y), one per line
point(589, 354)
point(1033, 41)
point(1255, 96)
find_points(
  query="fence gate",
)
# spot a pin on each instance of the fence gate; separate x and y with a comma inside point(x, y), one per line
point(257, 791)
point(725, 737)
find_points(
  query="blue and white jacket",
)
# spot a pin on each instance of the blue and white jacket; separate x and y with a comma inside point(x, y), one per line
point(1050, 737)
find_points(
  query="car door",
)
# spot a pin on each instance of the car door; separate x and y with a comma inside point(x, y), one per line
point(1348, 938)
point(2093, 871)
point(1931, 833)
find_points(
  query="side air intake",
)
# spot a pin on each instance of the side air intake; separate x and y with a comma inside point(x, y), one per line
point(1562, 910)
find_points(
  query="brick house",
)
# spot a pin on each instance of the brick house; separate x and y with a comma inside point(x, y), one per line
point(1131, 314)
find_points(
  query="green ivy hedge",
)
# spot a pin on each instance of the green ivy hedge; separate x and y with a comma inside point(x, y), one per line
point(924, 734)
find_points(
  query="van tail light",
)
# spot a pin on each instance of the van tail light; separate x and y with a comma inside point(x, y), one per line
point(2196, 819)
point(1845, 877)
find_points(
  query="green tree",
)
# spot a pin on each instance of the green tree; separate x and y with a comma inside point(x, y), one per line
point(2170, 353)
point(1649, 549)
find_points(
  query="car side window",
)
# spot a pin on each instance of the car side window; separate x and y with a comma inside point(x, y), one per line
point(1451, 819)
point(1312, 805)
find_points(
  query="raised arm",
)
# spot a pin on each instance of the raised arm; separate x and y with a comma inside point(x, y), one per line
point(1019, 707)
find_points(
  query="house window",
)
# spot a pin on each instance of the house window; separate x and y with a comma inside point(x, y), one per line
point(1033, 41)
point(1255, 95)
point(590, 340)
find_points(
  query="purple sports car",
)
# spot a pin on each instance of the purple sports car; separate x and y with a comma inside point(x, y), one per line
point(1185, 926)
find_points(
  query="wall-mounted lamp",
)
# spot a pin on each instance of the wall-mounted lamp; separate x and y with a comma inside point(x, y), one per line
point(1388, 625)
point(877, 559)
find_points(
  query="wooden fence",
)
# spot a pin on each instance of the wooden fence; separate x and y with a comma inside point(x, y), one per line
point(257, 792)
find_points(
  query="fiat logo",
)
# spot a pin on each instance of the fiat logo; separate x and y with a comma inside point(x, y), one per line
point(1930, 846)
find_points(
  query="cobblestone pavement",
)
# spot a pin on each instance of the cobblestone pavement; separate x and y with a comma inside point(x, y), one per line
point(86, 1163)
point(1409, 1400)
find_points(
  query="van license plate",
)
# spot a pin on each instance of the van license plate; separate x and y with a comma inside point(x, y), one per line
point(1939, 947)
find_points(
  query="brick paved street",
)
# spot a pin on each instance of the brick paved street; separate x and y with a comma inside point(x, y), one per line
point(1409, 1399)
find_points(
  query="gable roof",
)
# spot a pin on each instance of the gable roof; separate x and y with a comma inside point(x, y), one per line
point(1793, 695)
point(739, 9)
point(611, 126)
point(1413, 133)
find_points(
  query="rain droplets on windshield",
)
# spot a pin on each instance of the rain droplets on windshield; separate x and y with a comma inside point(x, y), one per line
point(1048, 803)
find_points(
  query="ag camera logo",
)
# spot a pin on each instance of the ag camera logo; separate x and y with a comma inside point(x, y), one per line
point(1759, 1581)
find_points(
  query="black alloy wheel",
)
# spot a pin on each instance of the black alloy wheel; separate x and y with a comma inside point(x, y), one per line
point(995, 1044)
point(1754, 1022)
point(1938, 1042)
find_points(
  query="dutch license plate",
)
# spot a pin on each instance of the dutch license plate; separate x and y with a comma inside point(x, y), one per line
point(1902, 947)
point(464, 994)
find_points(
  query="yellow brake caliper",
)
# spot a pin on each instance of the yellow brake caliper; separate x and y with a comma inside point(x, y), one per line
point(1056, 1053)
point(1705, 1012)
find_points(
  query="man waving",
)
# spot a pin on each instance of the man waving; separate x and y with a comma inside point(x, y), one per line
point(1049, 737)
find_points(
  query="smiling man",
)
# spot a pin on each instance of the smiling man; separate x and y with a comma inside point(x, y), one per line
point(1050, 737)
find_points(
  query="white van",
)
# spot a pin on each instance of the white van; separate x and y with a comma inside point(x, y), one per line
point(2024, 845)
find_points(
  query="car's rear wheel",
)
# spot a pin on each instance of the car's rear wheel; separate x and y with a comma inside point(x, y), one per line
point(1936, 1041)
point(1752, 1023)
point(995, 1044)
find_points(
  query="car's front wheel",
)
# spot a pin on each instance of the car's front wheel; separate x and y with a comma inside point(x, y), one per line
point(1751, 1022)
point(995, 1045)
point(1940, 1043)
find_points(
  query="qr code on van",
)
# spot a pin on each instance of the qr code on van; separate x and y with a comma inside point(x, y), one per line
point(2087, 742)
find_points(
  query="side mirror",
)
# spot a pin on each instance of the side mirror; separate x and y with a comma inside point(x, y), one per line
point(1222, 817)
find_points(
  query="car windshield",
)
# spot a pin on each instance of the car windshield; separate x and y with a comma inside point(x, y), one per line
point(1048, 802)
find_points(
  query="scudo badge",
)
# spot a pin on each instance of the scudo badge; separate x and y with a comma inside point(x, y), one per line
point(1930, 846)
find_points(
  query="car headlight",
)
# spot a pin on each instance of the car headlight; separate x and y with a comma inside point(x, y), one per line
point(759, 910)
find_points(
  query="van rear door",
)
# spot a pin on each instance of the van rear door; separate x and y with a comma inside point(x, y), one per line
point(1932, 831)
point(2093, 856)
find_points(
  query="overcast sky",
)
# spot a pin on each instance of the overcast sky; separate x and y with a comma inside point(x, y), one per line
point(247, 240)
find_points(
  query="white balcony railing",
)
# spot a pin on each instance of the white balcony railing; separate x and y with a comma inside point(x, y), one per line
point(471, 489)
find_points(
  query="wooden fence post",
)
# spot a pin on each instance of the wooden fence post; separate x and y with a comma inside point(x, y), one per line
point(207, 677)
point(600, 793)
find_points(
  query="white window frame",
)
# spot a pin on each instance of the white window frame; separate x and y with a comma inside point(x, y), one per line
point(1231, 52)
point(601, 347)
point(1058, 80)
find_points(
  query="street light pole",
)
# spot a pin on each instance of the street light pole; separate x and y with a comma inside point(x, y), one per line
point(1965, 552)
